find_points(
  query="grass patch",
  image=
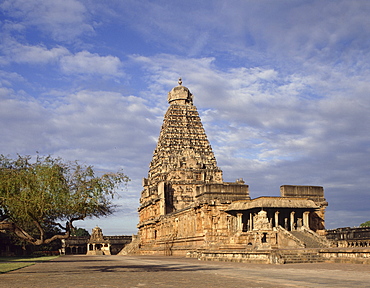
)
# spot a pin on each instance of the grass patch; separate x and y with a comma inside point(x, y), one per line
point(13, 263)
point(11, 266)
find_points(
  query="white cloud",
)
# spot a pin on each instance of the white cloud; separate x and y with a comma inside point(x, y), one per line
point(23, 123)
point(300, 36)
point(105, 129)
point(62, 19)
point(7, 79)
point(97, 127)
point(85, 62)
point(39, 54)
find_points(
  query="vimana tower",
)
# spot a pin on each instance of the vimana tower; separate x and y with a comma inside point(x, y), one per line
point(185, 204)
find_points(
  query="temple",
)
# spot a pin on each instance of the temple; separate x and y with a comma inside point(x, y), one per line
point(96, 244)
point(186, 205)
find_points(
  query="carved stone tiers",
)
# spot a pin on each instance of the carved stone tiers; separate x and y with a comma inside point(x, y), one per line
point(183, 158)
point(186, 205)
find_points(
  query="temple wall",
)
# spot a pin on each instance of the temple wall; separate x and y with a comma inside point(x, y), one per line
point(222, 191)
point(195, 227)
point(328, 255)
point(301, 191)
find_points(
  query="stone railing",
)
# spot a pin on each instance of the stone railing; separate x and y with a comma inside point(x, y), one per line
point(288, 235)
point(323, 241)
point(132, 247)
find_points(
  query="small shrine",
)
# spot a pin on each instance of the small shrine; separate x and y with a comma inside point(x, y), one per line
point(97, 245)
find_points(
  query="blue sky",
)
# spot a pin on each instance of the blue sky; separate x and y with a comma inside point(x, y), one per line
point(282, 88)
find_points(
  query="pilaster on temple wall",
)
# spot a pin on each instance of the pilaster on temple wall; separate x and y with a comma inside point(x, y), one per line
point(203, 225)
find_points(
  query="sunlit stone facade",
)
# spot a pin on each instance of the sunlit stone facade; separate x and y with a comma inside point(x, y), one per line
point(186, 205)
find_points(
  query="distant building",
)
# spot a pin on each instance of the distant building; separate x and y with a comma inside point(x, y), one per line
point(349, 237)
point(96, 244)
point(186, 205)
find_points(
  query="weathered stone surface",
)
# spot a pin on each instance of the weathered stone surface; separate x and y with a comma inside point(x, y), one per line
point(186, 205)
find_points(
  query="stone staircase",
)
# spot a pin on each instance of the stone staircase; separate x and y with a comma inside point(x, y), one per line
point(132, 247)
point(309, 240)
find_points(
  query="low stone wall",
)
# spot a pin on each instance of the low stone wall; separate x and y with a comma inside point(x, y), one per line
point(285, 256)
point(347, 237)
point(260, 257)
point(346, 255)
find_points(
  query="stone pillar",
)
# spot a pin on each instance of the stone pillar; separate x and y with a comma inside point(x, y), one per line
point(306, 219)
point(162, 202)
point(276, 219)
point(88, 247)
point(250, 222)
point(239, 222)
point(292, 223)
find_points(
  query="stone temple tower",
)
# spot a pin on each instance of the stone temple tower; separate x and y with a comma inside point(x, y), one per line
point(183, 173)
point(186, 206)
point(183, 157)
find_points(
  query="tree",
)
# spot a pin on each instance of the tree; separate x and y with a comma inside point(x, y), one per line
point(79, 232)
point(365, 224)
point(35, 197)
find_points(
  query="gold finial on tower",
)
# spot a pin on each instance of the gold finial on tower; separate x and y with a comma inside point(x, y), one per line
point(180, 81)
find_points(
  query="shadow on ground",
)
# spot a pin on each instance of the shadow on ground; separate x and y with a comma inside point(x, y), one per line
point(149, 268)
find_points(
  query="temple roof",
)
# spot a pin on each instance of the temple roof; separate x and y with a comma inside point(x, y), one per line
point(272, 202)
point(180, 95)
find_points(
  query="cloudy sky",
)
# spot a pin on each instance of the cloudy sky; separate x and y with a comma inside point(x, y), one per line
point(282, 88)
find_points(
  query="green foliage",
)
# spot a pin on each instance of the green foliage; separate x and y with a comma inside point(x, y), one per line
point(365, 224)
point(79, 232)
point(13, 263)
point(7, 267)
point(37, 196)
